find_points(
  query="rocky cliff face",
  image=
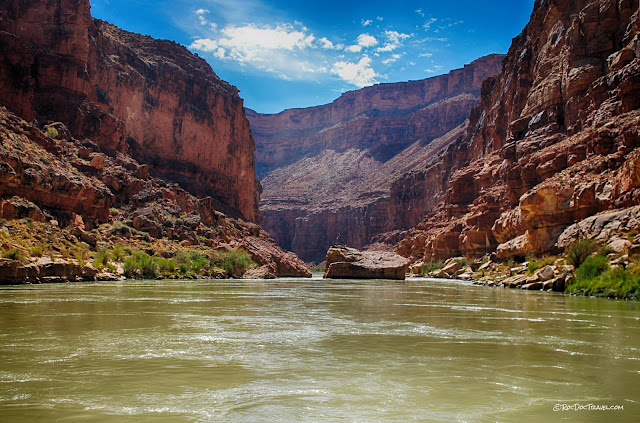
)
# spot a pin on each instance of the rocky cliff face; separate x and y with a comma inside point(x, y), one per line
point(554, 140)
point(130, 141)
point(131, 94)
point(334, 173)
point(84, 202)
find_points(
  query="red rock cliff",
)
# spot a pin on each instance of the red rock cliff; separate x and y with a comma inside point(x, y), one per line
point(130, 93)
point(330, 171)
point(553, 141)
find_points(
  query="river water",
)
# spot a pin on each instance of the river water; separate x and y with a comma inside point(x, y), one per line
point(313, 350)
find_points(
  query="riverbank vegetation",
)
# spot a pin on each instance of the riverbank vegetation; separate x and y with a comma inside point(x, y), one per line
point(595, 277)
point(134, 257)
point(586, 267)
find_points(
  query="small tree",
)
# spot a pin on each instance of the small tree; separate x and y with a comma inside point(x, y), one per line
point(578, 251)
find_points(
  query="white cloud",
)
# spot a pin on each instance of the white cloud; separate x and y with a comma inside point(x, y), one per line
point(267, 48)
point(393, 58)
point(394, 40)
point(420, 12)
point(202, 11)
point(360, 74)
point(204, 44)
point(326, 44)
point(425, 55)
point(208, 45)
point(248, 40)
point(430, 22)
point(366, 22)
point(354, 48)
point(366, 40)
point(380, 18)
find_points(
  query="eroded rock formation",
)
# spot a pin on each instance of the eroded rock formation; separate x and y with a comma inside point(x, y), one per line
point(129, 93)
point(120, 139)
point(338, 172)
point(554, 140)
point(81, 195)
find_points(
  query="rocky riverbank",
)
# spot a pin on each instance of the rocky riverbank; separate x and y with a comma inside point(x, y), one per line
point(606, 267)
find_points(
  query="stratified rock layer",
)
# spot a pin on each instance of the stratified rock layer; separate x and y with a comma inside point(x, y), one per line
point(334, 173)
point(554, 140)
point(348, 263)
point(130, 94)
point(79, 195)
point(129, 140)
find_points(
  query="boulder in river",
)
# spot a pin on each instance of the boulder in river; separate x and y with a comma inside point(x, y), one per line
point(349, 263)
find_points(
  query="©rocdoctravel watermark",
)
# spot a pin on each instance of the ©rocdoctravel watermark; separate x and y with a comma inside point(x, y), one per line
point(587, 407)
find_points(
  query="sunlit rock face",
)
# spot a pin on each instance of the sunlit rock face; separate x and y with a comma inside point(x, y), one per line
point(553, 141)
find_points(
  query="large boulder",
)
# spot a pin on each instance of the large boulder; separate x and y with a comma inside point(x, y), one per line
point(349, 263)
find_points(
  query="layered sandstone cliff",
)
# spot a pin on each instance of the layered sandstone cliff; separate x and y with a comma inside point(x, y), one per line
point(334, 173)
point(131, 94)
point(554, 140)
point(84, 200)
point(109, 138)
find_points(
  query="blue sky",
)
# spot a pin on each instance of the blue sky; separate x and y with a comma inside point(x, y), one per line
point(294, 53)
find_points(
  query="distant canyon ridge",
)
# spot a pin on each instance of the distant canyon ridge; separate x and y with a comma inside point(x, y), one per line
point(345, 172)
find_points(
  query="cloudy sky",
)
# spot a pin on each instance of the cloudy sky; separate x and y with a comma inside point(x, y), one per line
point(296, 53)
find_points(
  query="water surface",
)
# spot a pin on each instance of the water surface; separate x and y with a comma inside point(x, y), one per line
point(313, 350)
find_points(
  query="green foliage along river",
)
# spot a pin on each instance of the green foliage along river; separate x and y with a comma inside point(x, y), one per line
point(313, 350)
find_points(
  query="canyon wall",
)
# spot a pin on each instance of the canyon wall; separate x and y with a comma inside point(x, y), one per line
point(333, 173)
point(553, 141)
point(131, 94)
point(110, 140)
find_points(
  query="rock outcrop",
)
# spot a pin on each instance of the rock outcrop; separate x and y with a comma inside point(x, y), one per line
point(150, 99)
point(554, 140)
point(339, 172)
point(348, 263)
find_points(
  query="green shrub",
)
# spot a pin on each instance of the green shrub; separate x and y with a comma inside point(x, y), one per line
point(234, 262)
point(616, 283)
point(141, 265)
point(36, 251)
point(13, 254)
point(462, 261)
point(118, 253)
point(578, 251)
point(166, 266)
point(101, 259)
point(430, 266)
point(51, 132)
point(198, 261)
point(539, 264)
point(592, 267)
point(119, 227)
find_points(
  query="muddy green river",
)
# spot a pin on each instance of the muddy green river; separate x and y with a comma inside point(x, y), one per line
point(295, 350)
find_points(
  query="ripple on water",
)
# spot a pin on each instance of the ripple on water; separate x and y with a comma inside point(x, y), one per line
point(311, 350)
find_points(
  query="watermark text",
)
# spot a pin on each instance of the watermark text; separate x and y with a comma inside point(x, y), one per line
point(587, 407)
